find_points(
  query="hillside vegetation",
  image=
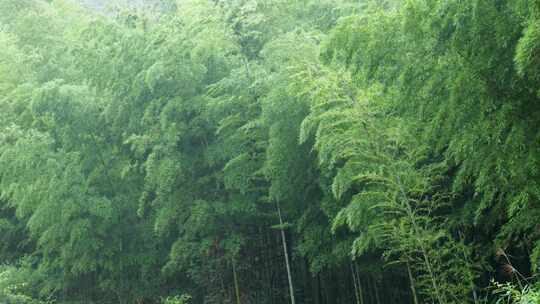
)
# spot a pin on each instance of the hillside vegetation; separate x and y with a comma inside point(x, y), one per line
point(270, 152)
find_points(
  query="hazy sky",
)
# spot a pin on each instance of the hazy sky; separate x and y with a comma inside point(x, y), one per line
point(100, 4)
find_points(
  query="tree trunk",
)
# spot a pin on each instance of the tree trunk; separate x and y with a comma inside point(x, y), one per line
point(423, 250)
point(359, 282)
point(356, 292)
point(236, 285)
point(377, 298)
point(316, 293)
point(285, 252)
point(411, 279)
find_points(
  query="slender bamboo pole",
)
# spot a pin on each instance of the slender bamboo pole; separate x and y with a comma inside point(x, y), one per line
point(423, 250)
point(236, 285)
point(356, 293)
point(377, 298)
point(411, 279)
point(285, 251)
point(360, 290)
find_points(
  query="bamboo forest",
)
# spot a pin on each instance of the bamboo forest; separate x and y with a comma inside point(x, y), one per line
point(269, 151)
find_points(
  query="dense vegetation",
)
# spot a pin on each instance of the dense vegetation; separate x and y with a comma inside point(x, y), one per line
point(270, 151)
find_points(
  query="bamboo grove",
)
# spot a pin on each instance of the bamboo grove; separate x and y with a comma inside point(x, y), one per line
point(270, 152)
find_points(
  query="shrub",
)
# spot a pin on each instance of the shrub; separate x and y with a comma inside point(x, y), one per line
point(510, 294)
point(183, 299)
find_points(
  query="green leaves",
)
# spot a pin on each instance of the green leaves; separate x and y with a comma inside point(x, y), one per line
point(527, 61)
point(16, 285)
point(141, 152)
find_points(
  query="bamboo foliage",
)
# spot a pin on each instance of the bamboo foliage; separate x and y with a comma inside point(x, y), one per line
point(144, 150)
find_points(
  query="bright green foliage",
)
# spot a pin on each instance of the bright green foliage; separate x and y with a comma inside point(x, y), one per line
point(17, 285)
point(143, 151)
point(184, 299)
point(509, 293)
